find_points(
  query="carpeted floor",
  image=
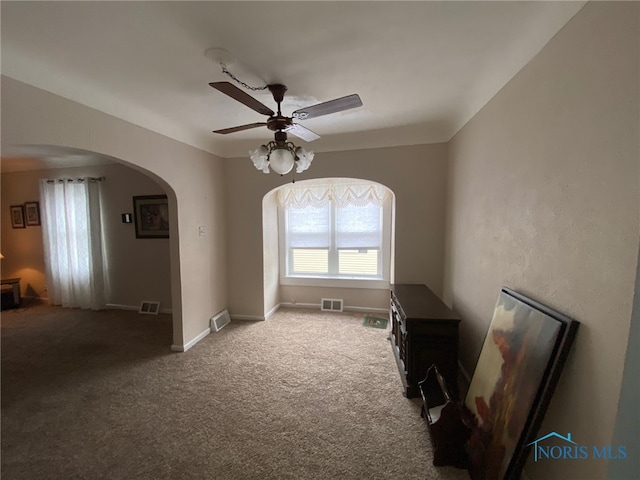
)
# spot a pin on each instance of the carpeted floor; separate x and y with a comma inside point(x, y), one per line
point(304, 395)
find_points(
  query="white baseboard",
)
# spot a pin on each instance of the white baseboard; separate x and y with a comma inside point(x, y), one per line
point(253, 318)
point(313, 306)
point(32, 297)
point(119, 306)
point(366, 309)
point(272, 311)
point(300, 305)
point(345, 308)
point(192, 342)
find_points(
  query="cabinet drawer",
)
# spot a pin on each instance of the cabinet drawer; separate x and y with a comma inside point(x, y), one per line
point(434, 329)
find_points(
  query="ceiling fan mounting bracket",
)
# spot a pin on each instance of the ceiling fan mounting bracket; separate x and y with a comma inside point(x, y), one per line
point(277, 90)
point(220, 55)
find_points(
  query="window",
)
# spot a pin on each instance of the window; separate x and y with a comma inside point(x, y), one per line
point(335, 230)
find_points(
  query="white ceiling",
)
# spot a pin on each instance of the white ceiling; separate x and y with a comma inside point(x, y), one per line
point(422, 69)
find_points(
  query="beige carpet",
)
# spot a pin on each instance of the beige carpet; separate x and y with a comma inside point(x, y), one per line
point(304, 395)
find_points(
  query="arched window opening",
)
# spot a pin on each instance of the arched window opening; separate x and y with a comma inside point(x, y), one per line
point(335, 232)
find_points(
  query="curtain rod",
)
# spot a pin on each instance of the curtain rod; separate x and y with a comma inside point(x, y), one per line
point(91, 179)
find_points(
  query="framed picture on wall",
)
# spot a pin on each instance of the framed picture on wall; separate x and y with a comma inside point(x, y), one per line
point(151, 216)
point(32, 213)
point(17, 216)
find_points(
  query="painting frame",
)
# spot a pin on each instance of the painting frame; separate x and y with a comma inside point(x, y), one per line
point(17, 216)
point(32, 213)
point(524, 352)
point(151, 216)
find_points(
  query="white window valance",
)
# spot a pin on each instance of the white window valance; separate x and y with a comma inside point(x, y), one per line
point(342, 194)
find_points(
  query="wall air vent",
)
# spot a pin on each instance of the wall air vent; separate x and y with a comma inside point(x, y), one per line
point(220, 320)
point(331, 305)
point(149, 308)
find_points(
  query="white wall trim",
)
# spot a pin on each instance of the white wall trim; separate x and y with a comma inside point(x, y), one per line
point(253, 318)
point(192, 342)
point(312, 306)
point(272, 311)
point(366, 309)
point(32, 297)
point(119, 306)
point(346, 308)
point(300, 305)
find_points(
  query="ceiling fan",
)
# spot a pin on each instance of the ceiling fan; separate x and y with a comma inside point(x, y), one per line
point(278, 122)
point(281, 155)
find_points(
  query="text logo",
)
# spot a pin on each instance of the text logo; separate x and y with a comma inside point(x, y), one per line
point(570, 450)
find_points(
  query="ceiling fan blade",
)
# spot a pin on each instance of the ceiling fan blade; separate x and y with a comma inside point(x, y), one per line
point(242, 97)
point(332, 106)
point(224, 131)
point(302, 132)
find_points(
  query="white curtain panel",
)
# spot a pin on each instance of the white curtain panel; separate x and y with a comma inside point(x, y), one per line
point(72, 234)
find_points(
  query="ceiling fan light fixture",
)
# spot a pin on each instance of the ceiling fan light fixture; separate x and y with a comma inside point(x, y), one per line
point(281, 160)
point(260, 158)
point(281, 156)
point(304, 159)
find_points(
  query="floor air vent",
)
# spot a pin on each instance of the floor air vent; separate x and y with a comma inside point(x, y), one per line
point(149, 308)
point(220, 320)
point(331, 305)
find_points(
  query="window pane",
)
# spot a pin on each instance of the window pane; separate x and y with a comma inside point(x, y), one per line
point(358, 262)
point(309, 227)
point(309, 260)
point(359, 226)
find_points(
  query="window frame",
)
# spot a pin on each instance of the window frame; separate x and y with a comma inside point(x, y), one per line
point(384, 258)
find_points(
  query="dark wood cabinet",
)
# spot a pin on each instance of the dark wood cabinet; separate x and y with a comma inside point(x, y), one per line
point(424, 332)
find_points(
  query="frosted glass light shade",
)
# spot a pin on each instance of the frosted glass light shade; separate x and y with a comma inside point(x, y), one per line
point(281, 161)
point(304, 159)
point(260, 158)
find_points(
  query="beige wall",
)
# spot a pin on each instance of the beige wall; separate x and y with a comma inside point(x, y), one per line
point(192, 179)
point(271, 268)
point(417, 176)
point(544, 198)
point(139, 269)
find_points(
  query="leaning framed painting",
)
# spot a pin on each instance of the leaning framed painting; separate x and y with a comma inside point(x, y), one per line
point(151, 216)
point(519, 365)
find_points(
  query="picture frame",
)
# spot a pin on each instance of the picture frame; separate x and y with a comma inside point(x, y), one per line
point(32, 213)
point(151, 216)
point(518, 368)
point(17, 216)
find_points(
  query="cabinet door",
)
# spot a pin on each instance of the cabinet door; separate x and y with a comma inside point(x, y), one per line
point(444, 355)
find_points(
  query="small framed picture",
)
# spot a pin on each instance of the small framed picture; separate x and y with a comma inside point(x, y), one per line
point(32, 213)
point(151, 216)
point(17, 216)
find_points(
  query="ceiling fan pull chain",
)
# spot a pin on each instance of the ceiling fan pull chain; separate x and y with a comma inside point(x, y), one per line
point(248, 87)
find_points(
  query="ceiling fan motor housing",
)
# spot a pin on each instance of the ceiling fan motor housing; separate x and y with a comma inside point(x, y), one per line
point(278, 123)
point(281, 137)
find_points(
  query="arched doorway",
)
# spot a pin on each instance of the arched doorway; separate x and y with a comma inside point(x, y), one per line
point(138, 269)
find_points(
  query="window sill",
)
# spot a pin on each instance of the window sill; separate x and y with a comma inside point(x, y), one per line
point(375, 284)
